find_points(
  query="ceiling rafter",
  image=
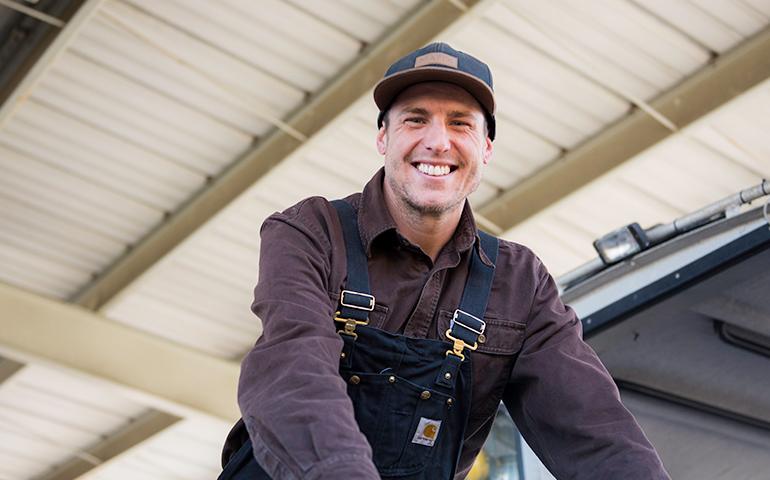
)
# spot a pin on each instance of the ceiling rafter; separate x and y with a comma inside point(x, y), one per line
point(34, 329)
point(9, 368)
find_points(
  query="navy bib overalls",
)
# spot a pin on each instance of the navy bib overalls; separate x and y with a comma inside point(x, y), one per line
point(411, 396)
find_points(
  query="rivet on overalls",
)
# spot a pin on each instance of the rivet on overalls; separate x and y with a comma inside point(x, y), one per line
point(481, 338)
point(355, 379)
point(448, 375)
point(425, 395)
point(449, 401)
point(392, 379)
point(342, 355)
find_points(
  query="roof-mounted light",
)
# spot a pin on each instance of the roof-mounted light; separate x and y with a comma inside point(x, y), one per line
point(622, 243)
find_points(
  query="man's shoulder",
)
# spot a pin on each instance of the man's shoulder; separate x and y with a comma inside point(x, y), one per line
point(313, 217)
point(518, 251)
point(312, 209)
point(519, 260)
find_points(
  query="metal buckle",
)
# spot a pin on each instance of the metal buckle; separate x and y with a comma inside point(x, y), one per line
point(459, 345)
point(350, 325)
point(477, 332)
point(357, 307)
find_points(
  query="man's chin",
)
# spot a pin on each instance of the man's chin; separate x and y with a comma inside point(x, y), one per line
point(433, 209)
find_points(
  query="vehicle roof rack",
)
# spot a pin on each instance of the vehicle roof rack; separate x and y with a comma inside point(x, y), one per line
point(625, 242)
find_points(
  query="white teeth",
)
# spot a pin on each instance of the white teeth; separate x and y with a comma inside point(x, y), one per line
point(433, 170)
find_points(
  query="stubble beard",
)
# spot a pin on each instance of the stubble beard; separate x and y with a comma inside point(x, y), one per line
point(415, 209)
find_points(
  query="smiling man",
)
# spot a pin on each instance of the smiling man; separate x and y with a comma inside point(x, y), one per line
point(393, 327)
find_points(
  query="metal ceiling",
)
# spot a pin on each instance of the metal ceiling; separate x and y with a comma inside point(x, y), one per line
point(142, 149)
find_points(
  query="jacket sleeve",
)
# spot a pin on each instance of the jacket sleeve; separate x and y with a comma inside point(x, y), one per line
point(294, 404)
point(566, 404)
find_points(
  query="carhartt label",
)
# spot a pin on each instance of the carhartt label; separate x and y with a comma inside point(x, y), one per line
point(427, 431)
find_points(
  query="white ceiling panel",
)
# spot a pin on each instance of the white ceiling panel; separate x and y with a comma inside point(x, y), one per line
point(188, 450)
point(740, 16)
point(131, 106)
point(56, 154)
point(41, 117)
point(262, 89)
point(48, 417)
point(25, 218)
point(740, 132)
point(26, 177)
point(111, 46)
point(624, 46)
point(233, 32)
point(362, 20)
point(702, 26)
point(27, 269)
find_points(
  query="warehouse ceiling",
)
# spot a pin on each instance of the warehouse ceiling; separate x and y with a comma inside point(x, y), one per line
point(142, 144)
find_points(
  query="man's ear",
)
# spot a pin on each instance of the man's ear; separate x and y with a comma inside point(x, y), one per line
point(488, 149)
point(382, 140)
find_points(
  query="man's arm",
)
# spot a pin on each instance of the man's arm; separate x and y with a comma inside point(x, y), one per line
point(566, 404)
point(293, 401)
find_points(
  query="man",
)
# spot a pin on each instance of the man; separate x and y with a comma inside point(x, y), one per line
point(436, 323)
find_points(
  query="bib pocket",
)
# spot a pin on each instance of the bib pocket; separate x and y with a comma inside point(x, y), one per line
point(402, 420)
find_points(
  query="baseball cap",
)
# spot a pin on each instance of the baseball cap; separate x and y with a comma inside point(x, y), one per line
point(438, 62)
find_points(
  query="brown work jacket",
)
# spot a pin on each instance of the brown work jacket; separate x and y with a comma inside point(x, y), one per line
point(294, 403)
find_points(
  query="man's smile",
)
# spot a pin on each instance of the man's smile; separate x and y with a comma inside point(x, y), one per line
point(434, 170)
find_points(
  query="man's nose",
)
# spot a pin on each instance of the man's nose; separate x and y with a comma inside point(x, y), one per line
point(437, 138)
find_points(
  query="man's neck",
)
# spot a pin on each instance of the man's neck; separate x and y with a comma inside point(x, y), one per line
point(429, 232)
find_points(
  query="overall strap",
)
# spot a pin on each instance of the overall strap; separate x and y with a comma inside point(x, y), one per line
point(356, 300)
point(479, 282)
point(467, 324)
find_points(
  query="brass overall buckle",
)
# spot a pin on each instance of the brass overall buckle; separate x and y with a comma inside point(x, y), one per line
point(459, 344)
point(349, 327)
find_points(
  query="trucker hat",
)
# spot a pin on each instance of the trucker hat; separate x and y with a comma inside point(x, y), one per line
point(438, 62)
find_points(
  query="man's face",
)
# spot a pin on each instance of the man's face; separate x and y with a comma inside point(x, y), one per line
point(435, 145)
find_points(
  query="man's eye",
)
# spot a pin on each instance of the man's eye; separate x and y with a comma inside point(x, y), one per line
point(415, 120)
point(460, 123)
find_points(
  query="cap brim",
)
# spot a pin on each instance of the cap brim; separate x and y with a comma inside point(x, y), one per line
point(386, 91)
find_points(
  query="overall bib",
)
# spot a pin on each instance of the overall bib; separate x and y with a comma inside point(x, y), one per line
point(411, 396)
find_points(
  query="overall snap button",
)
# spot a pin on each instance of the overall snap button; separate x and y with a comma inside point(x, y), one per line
point(392, 379)
point(425, 395)
point(449, 401)
point(448, 376)
point(355, 379)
